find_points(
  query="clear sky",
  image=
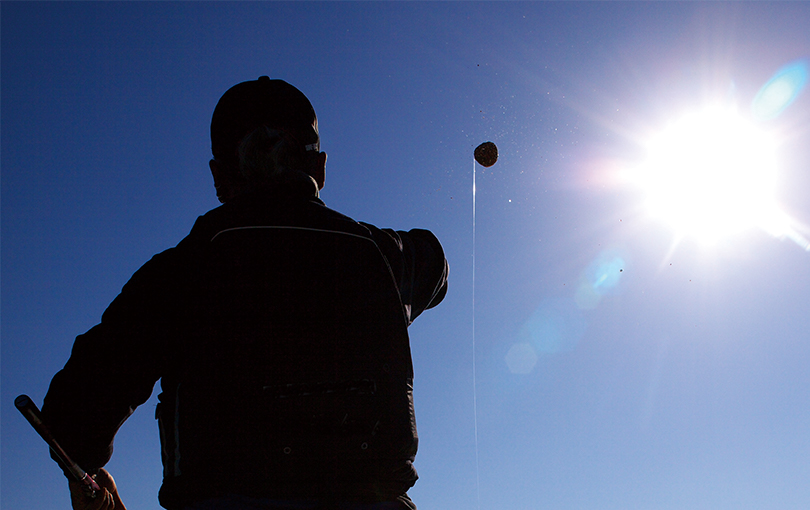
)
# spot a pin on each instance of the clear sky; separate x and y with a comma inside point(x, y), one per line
point(621, 341)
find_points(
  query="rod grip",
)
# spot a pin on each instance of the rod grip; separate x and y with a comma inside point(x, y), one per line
point(30, 411)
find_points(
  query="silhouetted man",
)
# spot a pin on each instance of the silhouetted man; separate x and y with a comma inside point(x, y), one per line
point(278, 329)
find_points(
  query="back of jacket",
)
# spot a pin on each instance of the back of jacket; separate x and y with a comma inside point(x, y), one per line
point(281, 340)
point(298, 379)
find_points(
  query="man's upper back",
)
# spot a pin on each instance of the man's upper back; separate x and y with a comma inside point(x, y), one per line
point(298, 374)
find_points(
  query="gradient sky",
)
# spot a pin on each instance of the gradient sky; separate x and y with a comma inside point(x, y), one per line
point(679, 383)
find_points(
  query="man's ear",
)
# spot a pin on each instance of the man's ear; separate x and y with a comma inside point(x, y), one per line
point(222, 181)
point(215, 172)
point(318, 171)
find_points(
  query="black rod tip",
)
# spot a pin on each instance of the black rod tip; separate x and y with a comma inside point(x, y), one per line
point(22, 402)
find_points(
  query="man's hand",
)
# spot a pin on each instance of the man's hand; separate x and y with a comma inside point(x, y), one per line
point(107, 499)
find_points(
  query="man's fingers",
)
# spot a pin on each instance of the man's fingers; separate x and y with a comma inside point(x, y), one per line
point(101, 501)
point(104, 500)
point(109, 500)
point(105, 479)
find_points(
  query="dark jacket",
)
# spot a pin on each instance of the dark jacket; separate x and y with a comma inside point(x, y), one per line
point(278, 330)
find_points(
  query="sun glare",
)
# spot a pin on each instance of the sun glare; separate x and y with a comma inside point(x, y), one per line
point(710, 174)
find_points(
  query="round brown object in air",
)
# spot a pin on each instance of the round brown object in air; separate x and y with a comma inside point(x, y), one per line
point(486, 154)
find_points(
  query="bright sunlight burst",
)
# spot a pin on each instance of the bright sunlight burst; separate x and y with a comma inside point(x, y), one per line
point(711, 174)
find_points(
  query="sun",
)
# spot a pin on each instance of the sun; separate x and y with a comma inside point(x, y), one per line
point(710, 174)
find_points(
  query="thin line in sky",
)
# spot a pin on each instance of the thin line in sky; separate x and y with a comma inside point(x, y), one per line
point(475, 397)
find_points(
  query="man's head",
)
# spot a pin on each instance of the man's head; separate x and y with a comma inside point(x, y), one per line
point(260, 129)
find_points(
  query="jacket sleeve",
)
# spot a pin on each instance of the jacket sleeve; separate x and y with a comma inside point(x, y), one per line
point(114, 366)
point(419, 266)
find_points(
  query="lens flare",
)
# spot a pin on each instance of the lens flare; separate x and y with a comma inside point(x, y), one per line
point(600, 278)
point(780, 91)
point(521, 358)
point(556, 326)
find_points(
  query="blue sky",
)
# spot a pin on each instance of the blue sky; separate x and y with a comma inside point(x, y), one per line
point(680, 383)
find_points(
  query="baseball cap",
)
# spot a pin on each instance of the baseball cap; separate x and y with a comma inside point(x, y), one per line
point(272, 103)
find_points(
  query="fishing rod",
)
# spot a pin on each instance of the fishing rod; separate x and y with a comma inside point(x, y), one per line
point(26, 406)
